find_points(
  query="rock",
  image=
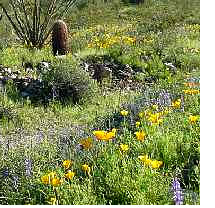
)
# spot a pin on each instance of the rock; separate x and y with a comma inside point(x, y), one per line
point(43, 67)
point(171, 67)
point(25, 94)
point(61, 56)
point(28, 66)
point(8, 70)
point(101, 72)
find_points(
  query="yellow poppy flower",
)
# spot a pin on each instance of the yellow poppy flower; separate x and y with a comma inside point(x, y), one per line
point(70, 174)
point(104, 135)
point(155, 118)
point(124, 113)
point(146, 161)
point(109, 135)
point(114, 130)
point(56, 182)
point(191, 91)
point(140, 135)
point(137, 124)
point(67, 164)
point(177, 103)
point(45, 179)
point(155, 164)
point(100, 135)
point(193, 119)
point(86, 168)
point(124, 147)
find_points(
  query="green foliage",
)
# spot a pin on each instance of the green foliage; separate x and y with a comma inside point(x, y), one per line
point(121, 179)
point(36, 139)
point(70, 82)
point(16, 56)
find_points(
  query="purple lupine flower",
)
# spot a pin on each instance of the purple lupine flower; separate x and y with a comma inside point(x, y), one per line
point(177, 192)
point(164, 98)
point(15, 181)
point(28, 167)
point(5, 172)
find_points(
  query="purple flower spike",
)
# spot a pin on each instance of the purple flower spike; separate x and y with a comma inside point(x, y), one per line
point(15, 181)
point(5, 172)
point(177, 192)
point(28, 167)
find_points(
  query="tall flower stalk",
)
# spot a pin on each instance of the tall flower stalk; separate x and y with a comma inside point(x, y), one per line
point(177, 192)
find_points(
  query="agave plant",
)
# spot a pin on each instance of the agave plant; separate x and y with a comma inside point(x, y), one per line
point(32, 20)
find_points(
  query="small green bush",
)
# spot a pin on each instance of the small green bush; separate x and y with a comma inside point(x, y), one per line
point(70, 83)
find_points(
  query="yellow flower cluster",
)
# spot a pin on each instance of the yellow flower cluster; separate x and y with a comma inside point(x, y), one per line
point(111, 28)
point(52, 179)
point(67, 164)
point(140, 135)
point(70, 174)
point(108, 41)
point(191, 84)
point(191, 91)
point(86, 168)
point(193, 119)
point(124, 147)
point(124, 113)
point(138, 124)
point(155, 164)
point(155, 118)
point(104, 135)
point(176, 103)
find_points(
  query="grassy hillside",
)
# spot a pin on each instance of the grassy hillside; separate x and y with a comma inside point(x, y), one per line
point(134, 138)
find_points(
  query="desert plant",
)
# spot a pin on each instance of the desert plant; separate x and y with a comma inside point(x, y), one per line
point(69, 82)
point(59, 38)
point(32, 20)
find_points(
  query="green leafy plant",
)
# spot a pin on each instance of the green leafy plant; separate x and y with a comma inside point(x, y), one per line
point(69, 82)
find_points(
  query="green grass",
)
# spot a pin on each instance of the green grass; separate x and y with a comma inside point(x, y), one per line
point(35, 139)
